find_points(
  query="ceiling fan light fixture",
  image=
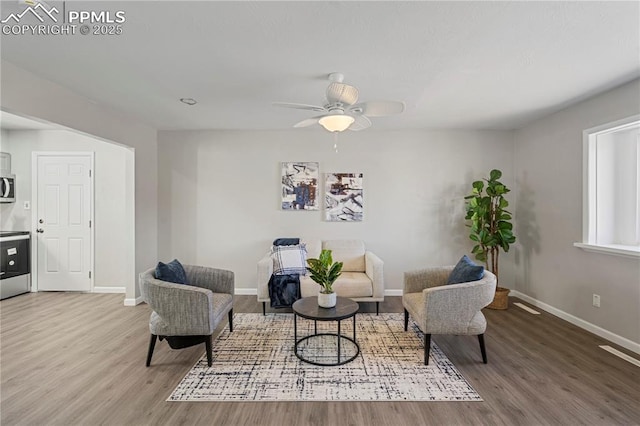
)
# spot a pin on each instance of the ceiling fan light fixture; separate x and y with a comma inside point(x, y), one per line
point(337, 122)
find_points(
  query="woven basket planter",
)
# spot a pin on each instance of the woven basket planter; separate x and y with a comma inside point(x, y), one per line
point(501, 299)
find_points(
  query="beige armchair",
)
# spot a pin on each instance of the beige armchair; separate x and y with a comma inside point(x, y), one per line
point(438, 308)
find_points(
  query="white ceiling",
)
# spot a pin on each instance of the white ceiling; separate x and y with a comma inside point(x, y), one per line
point(467, 65)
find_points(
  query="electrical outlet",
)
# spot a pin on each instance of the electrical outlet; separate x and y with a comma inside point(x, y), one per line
point(596, 300)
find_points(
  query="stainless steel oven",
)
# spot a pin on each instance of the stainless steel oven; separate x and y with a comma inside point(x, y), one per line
point(15, 263)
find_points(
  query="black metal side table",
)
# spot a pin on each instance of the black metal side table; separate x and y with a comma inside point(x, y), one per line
point(308, 308)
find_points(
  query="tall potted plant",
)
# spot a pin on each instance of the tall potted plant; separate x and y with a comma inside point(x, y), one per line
point(491, 227)
point(325, 272)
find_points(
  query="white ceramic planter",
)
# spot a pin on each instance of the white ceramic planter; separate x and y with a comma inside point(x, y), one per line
point(327, 300)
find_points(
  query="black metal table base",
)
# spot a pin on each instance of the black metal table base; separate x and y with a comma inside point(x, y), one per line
point(339, 337)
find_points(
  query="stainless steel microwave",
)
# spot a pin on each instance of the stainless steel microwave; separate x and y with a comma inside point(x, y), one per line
point(7, 189)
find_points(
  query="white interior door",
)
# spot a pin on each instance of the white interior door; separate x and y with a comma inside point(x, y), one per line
point(64, 212)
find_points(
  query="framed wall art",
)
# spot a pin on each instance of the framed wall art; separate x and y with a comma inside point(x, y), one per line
point(300, 186)
point(344, 200)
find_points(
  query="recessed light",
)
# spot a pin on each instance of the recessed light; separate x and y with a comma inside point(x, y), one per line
point(188, 101)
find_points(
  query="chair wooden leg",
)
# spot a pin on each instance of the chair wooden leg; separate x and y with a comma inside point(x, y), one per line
point(482, 348)
point(207, 344)
point(427, 347)
point(264, 308)
point(406, 320)
point(152, 345)
point(231, 321)
point(377, 308)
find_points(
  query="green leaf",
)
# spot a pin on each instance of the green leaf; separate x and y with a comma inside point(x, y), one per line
point(504, 225)
point(492, 241)
point(495, 174)
point(334, 271)
point(478, 185)
point(325, 258)
point(318, 279)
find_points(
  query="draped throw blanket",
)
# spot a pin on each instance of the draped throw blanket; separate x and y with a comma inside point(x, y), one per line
point(284, 289)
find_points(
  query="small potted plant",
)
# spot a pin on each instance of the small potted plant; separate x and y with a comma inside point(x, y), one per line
point(325, 272)
point(491, 228)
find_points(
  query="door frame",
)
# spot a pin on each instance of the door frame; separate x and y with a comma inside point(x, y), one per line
point(35, 155)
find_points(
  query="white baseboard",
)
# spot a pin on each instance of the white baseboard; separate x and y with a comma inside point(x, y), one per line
point(109, 290)
point(392, 292)
point(246, 291)
point(598, 331)
point(133, 302)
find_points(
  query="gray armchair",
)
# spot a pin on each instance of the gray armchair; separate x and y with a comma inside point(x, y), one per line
point(187, 315)
point(438, 308)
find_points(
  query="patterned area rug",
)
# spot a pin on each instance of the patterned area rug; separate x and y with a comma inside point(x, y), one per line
point(257, 363)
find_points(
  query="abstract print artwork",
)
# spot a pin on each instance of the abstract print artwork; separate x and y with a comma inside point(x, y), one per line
point(343, 197)
point(300, 186)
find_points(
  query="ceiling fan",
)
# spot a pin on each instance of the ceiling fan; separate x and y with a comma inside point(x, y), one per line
point(341, 112)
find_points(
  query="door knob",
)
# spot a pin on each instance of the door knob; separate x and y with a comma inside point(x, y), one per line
point(40, 230)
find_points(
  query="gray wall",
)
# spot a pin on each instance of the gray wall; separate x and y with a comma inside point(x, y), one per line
point(219, 194)
point(26, 94)
point(109, 194)
point(548, 163)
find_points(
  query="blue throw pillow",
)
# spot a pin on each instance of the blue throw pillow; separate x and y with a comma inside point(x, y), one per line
point(465, 271)
point(286, 241)
point(172, 272)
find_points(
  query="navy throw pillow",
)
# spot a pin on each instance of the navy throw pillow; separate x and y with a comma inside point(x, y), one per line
point(286, 241)
point(172, 272)
point(465, 271)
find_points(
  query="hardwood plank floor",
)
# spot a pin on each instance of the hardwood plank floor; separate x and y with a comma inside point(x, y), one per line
point(79, 359)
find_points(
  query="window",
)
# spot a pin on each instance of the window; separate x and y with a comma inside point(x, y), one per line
point(611, 209)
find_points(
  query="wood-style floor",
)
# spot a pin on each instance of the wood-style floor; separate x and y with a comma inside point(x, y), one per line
point(79, 359)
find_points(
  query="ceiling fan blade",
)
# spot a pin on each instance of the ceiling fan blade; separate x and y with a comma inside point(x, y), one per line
point(378, 108)
point(299, 106)
point(308, 122)
point(361, 123)
point(343, 93)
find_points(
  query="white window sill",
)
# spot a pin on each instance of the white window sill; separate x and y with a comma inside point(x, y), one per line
point(615, 250)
